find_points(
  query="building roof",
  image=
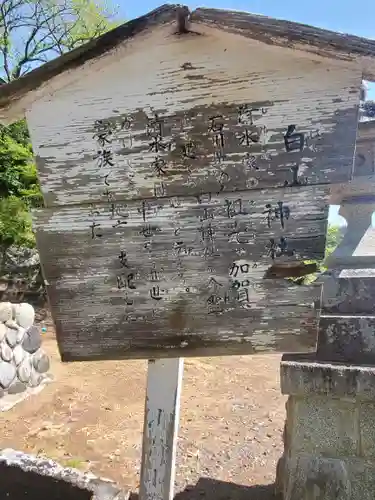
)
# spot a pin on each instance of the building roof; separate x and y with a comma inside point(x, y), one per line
point(268, 30)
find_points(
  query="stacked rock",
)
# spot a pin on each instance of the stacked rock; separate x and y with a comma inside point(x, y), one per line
point(23, 364)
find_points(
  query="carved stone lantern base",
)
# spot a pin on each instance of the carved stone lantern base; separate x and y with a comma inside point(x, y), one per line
point(329, 435)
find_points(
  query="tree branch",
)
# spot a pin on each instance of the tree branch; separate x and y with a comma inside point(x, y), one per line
point(34, 30)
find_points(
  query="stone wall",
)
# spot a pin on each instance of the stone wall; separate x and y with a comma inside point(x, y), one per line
point(23, 364)
point(21, 278)
point(329, 436)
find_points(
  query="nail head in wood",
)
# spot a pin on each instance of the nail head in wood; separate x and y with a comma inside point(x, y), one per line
point(182, 19)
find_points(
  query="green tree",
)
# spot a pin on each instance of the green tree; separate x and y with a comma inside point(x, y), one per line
point(367, 107)
point(15, 226)
point(334, 236)
point(367, 110)
point(18, 175)
point(31, 33)
point(34, 31)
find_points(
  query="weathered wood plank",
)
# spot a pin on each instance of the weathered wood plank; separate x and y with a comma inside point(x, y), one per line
point(265, 226)
point(182, 275)
point(249, 147)
point(172, 191)
point(288, 34)
point(195, 153)
point(92, 328)
point(19, 94)
point(162, 408)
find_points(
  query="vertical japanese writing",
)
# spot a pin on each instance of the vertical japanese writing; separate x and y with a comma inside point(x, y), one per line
point(277, 248)
point(104, 134)
point(111, 201)
point(155, 126)
point(123, 259)
point(125, 131)
point(104, 158)
point(242, 234)
point(250, 162)
point(157, 143)
point(188, 153)
point(249, 137)
point(297, 179)
point(125, 278)
point(204, 198)
point(217, 298)
point(146, 209)
point(250, 132)
point(294, 141)
point(207, 237)
point(188, 150)
point(126, 281)
point(129, 173)
point(159, 166)
point(122, 214)
point(206, 214)
point(234, 207)
point(239, 274)
point(179, 249)
point(216, 131)
point(223, 180)
point(156, 292)
point(149, 230)
point(241, 288)
point(160, 189)
point(279, 213)
point(109, 194)
point(246, 114)
point(95, 229)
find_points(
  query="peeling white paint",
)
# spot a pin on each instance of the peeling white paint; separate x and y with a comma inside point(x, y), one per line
point(164, 383)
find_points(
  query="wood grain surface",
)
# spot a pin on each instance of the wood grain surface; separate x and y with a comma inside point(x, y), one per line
point(173, 187)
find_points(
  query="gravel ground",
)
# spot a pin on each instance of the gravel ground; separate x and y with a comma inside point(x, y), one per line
point(91, 417)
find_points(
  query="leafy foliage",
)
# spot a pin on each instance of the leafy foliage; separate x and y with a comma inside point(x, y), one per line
point(31, 33)
point(34, 31)
point(15, 223)
point(19, 186)
point(368, 109)
point(334, 236)
point(18, 175)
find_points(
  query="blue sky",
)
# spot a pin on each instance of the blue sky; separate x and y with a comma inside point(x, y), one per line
point(345, 16)
point(336, 15)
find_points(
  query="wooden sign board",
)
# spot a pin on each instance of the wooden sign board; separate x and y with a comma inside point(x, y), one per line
point(182, 275)
point(168, 204)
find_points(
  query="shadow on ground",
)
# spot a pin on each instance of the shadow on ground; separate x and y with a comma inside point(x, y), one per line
point(212, 489)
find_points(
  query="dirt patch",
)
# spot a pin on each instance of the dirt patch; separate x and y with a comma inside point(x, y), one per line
point(91, 417)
